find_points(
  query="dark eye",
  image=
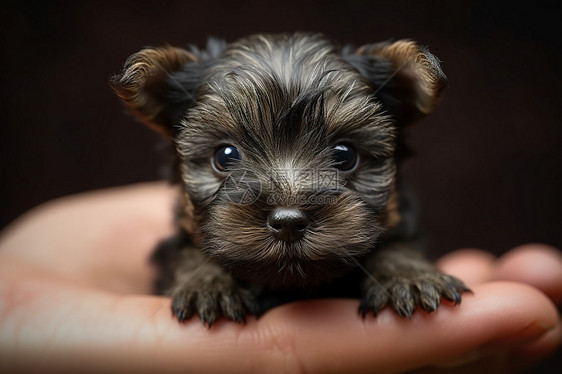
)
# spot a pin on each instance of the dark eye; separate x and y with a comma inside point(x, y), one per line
point(345, 157)
point(225, 157)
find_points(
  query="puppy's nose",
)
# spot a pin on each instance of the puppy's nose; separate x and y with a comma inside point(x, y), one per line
point(288, 224)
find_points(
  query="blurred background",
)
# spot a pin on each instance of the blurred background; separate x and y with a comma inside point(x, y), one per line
point(488, 164)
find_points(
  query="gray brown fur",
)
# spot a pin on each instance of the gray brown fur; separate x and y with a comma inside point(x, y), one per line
point(284, 101)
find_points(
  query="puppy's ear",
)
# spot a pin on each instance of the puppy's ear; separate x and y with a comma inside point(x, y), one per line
point(158, 85)
point(406, 78)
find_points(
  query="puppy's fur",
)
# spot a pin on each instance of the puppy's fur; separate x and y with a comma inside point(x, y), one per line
point(287, 103)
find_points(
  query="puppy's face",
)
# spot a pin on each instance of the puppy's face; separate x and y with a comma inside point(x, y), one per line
point(286, 145)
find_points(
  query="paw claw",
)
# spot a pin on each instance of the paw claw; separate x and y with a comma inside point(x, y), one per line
point(207, 320)
point(403, 300)
point(212, 301)
point(424, 289)
point(404, 310)
point(430, 305)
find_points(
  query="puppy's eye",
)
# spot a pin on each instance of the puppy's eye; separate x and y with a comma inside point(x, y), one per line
point(225, 157)
point(345, 157)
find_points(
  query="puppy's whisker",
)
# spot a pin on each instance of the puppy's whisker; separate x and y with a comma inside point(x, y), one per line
point(205, 201)
point(379, 284)
point(390, 77)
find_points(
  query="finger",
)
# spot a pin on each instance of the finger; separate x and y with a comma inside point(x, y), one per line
point(536, 264)
point(100, 331)
point(532, 353)
point(499, 316)
point(473, 266)
point(104, 237)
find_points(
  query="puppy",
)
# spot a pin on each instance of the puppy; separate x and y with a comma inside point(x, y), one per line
point(287, 151)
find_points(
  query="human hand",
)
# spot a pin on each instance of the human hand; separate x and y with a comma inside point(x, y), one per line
point(74, 296)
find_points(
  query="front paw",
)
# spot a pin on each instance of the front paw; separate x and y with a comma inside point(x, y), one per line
point(211, 299)
point(405, 292)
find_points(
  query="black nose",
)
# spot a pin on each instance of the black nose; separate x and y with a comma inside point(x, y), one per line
point(288, 224)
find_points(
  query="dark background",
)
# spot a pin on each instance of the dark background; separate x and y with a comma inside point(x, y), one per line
point(488, 164)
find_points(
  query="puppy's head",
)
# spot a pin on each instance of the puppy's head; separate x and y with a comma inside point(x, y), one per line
point(286, 145)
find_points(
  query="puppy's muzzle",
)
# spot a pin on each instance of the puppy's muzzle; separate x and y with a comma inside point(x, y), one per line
point(288, 224)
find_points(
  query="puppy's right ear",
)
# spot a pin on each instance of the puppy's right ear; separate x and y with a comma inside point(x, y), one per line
point(407, 79)
point(157, 87)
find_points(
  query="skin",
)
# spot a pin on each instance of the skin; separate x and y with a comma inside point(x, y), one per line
point(75, 296)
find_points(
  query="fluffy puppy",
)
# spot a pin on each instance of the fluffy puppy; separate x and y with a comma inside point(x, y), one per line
point(287, 151)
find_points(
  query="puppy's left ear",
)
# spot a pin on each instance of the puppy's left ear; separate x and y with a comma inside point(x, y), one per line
point(158, 84)
point(407, 79)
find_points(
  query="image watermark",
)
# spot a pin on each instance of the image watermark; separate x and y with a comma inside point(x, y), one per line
point(282, 200)
point(305, 180)
point(242, 188)
point(312, 186)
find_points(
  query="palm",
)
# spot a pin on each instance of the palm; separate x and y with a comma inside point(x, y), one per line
point(75, 282)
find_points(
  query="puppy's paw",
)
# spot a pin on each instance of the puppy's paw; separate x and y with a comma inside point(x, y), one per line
point(212, 299)
point(405, 292)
